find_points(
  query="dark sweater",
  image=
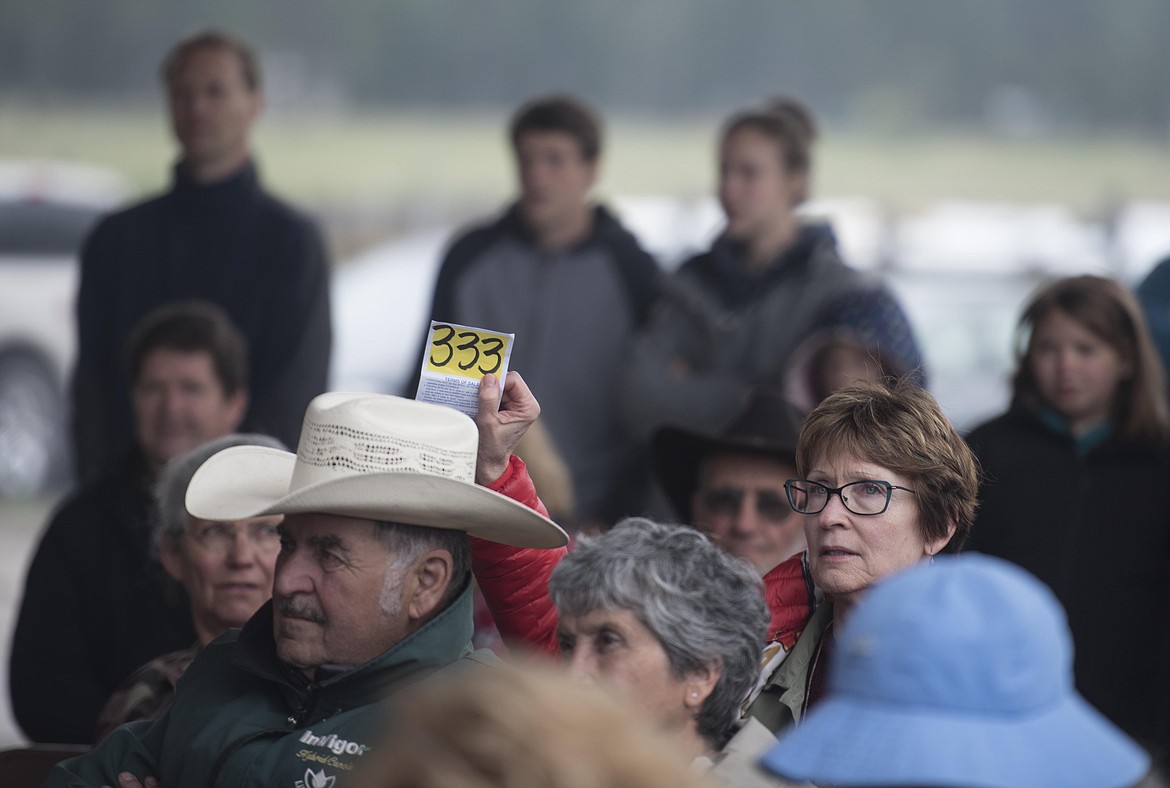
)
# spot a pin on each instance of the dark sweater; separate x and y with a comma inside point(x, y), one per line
point(230, 243)
point(96, 608)
point(1094, 526)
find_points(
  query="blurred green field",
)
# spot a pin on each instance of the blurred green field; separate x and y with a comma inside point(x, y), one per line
point(384, 157)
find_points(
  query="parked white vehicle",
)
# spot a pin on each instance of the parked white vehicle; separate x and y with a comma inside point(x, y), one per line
point(46, 210)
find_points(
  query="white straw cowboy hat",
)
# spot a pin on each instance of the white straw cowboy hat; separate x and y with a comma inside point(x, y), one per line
point(376, 457)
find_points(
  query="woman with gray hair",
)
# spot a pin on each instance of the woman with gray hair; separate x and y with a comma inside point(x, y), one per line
point(225, 568)
point(673, 623)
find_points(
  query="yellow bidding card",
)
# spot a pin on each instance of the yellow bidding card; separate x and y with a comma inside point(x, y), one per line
point(457, 358)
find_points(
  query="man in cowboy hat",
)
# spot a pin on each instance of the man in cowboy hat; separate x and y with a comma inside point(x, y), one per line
point(371, 591)
point(731, 485)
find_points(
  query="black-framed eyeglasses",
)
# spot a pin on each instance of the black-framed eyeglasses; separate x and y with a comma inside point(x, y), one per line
point(221, 537)
point(867, 496)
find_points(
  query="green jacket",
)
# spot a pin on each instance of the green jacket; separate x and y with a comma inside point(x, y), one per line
point(780, 702)
point(241, 717)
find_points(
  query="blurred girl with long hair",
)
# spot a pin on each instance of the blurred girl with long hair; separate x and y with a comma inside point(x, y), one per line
point(1076, 481)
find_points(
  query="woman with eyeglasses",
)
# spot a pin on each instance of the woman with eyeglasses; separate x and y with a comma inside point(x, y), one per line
point(225, 568)
point(885, 483)
point(1075, 491)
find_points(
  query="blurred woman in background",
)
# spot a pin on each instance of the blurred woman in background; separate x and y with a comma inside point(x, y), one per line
point(733, 315)
point(225, 568)
point(1076, 474)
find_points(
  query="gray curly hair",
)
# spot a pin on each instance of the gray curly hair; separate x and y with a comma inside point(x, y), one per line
point(704, 607)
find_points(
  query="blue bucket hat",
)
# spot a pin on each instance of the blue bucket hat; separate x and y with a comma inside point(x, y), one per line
point(957, 674)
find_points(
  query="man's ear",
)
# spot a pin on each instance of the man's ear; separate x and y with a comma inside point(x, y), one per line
point(237, 404)
point(594, 173)
point(797, 187)
point(430, 576)
point(259, 104)
point(168, 554)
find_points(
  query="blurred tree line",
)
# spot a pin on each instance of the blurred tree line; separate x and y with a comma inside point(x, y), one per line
point(1012, 65)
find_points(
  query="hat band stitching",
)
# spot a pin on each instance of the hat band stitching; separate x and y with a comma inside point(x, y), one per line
point(339, 446)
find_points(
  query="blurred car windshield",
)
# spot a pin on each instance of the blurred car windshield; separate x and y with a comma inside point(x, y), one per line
point(44, 228)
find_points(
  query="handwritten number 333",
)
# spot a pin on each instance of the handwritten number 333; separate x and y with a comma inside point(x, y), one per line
point(487, 347)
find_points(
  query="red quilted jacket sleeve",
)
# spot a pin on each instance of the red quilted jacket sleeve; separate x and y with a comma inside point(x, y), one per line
point(514, 580)
point(788, 590)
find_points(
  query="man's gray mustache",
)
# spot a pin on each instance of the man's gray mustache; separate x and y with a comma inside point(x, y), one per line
point(294, 609)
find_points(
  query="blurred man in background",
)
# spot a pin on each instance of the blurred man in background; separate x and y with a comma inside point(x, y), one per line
point(96, 604)
point(730, 485)
point(215, 235)
point(560, 272)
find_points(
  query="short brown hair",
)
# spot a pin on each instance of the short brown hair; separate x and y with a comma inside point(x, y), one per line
point(1110, 312)
point(213, 39)
point(562, 113)
point(192, 327)
point(900, 426)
